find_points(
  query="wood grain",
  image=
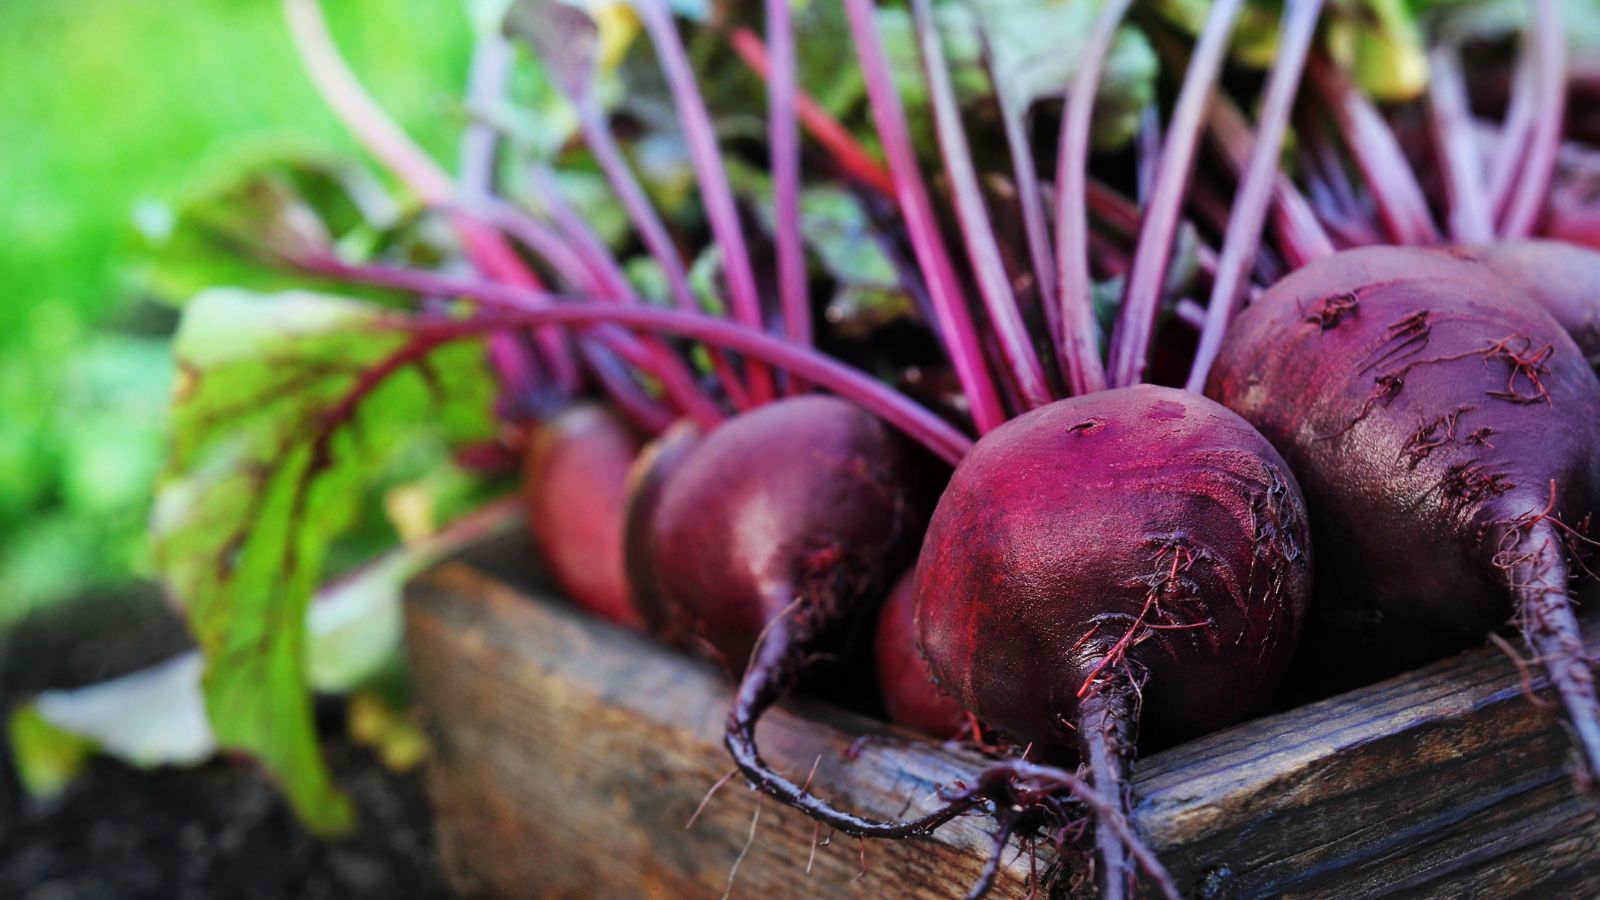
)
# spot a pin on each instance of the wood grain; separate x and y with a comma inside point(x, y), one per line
point(570, 755)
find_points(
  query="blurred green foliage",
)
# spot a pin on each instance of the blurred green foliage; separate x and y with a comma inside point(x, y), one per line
point(106, 108)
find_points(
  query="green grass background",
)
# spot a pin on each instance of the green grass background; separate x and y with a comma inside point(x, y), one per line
point(106, 108)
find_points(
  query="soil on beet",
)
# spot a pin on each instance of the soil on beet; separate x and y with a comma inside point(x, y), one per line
point(220, 830)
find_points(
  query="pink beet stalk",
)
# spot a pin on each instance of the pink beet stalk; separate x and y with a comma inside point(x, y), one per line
point(1455, 143)
point(604, 265)
point(1300, 234)
point(367, 121)
point(848, 155)
point(1141, 296)
point(1030, 199)
point(523, 308)
point(784, 136)
point(1256, 187)
point(715, 193)
point(994, 283)
point(1080, 348)
point(1544, 145)
point(594, 272)
point(944, 288)
point(1401, 203)
point(1514, 134)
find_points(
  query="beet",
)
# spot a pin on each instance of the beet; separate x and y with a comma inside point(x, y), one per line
point(651, 470)
point(774, 540)
point(909, 692)
point(1134, 558)
point(573, 488)
point(1564, 278)
point(1445, 429)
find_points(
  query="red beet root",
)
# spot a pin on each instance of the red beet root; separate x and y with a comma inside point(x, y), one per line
point(1447, 434)
point(777, 534)
point(651, 471)
point(573, 487)
point(909, 693)
point(1135, 557)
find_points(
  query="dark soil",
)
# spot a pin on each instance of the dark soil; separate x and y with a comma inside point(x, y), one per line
point(220, 830)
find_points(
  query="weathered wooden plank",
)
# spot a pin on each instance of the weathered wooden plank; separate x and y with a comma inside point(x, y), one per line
point(570, 755)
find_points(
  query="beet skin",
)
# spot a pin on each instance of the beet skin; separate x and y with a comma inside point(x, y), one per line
point(1447, 433)
point(574, 488)
point(652, 469)
point(774, 540)
point(909, 692)
point(1133, 557)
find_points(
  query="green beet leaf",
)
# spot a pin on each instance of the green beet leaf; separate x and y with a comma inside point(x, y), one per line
point(287, 411)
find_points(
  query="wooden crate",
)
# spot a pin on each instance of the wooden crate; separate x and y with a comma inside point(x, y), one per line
point(570, 757)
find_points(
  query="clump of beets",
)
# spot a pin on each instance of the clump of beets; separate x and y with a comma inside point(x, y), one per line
point(1446, 430)
point(1133, 560)
point(574, 488)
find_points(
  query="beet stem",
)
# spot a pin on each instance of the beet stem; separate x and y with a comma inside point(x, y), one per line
point(642, 213)
point(1549, 625)
point(1030, 199)
point(1402, 205)
point(983, 250)
point(1249, 213)
point(784, 138)
point(1080, 346)
point(1544, 145)
point(1300, 234)
point(922, 224)
point(1152, 256)
point(848, 155)
point(1514, 134)
point(525, 308)
point(383, 138)
point(1149, 151)
point(721, 211)
point(1455, 143)
point(597, 133)
point(609, 271)
point(584, 273)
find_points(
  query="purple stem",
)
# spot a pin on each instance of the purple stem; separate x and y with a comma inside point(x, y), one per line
point(1256, 188)
point(944, 288)
point(602, 278)
point(1323, 158)
point(1294, 221)
point(641, 212)
point(528, 308)
point(384, 139)
point(1148, 152)
point(994, 283)
point(1141, 296)
point(491, 67)
point(1544, 147)
point(715, 193)
point(784, 136)
point(1455, 143)
point(1514, 134)
point(1402, 205)
point(1030, 199)
point(1080, 346)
